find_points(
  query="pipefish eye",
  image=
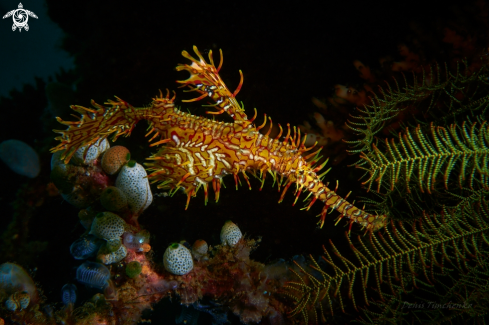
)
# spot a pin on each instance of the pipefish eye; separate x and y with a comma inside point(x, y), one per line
point(93, 274)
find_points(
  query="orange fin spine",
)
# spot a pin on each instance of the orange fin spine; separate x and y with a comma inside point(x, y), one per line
point(286, 140)
point(92, 125)
point(119, 118)
point(216, 186)
point(313, 183)
point(263, 124)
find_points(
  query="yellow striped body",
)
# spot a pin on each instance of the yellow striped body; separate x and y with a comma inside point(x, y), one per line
point(197, 152)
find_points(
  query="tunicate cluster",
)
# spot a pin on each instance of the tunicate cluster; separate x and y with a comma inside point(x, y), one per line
point(110, 227)
point(80, 181)
point(177, 259)
point(92, 274)
point(20, 157)
point(86, 179)
point(230, 234)
point(133, 181)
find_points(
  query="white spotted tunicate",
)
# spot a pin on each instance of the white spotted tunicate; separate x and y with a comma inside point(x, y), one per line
point(107, 225)
point(133, 181)
point(86, 155)
point(230, 234)
point(92, 274)
point(113, 257)
point(177, 259)
point(20, 157)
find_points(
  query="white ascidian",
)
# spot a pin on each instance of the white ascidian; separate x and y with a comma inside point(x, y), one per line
point(230, 234)
point(86, 155)
point(200, 249)
point(113, 257)
point(107, 225)
point(133, 181)
point(177, 259)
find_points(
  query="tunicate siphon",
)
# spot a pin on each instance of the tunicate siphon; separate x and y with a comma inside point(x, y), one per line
point(85, 247)
point(93, 274)
point(68, 294)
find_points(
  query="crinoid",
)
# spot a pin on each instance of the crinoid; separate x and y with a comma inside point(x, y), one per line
point(401, 259)
point(438, 155)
